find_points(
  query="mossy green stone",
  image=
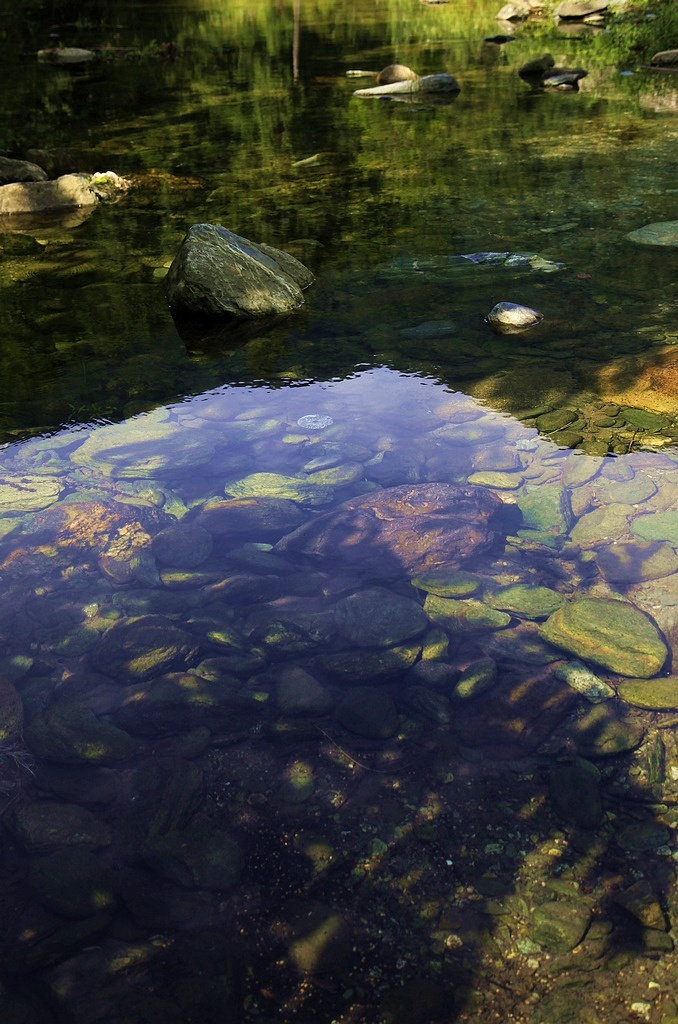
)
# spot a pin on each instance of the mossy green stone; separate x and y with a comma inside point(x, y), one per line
point(277, 485)
point(657, 526)
point(27, 493)
point(493, 478)
point(614, 634)
point(525, 601)
point(337, 476)
point(545, 508)
point(603, 525)
point(448, 583)
point(652, 694)
point(461, 616)
point(478, 677)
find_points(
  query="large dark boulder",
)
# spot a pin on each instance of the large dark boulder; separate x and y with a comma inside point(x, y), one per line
point(218, 273)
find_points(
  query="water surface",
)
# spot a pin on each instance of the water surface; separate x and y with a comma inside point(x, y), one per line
point(263, 760)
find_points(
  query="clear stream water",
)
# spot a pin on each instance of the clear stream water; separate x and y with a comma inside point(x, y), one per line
point(347, 774)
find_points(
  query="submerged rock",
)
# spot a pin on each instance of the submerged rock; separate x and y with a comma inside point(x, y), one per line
point(402, 530)
point(614, 634)
point(652, 694)
point(68, 733)
point(142, 648)
point(367, 712)
point(218, 273)
point(376, 617)
point(200, 856)
point(658, 233)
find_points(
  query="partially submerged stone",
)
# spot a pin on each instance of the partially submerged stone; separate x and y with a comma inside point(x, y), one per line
point(66, 55)
point(20, 170)
point(69, 192)
point(614, 634)
point(396, 73)
point(218, 273)
point(443, 83)
point(513, 318)
point(665, 59)
point(580, 9)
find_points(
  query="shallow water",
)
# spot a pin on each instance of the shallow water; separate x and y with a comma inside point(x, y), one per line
point(265, 754)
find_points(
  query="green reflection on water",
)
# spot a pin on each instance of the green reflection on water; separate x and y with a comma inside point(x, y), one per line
point(252, 123)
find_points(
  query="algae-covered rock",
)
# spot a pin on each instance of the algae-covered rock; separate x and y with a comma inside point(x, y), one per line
point(145, 447)
point(605, 731)
point(72, 882)
point(636, 561)
point(68, 733)
point(253, 516)
point(614, 634)
point(525, 601)
point(200, 856)
point(27, 493)
point(652, 694)
point(219, 273)
point(659, 233)
point(448, 583)
point(377, 617)
point(45, 825)
point(362, 666)
point(276, 485)
point(176, 702)
point(559, 925)
point(476, 678)
point(466, 615)
point(141, 648)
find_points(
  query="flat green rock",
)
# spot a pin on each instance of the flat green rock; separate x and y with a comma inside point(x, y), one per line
point(27, 493)
point(277, 485)
point(652, 694)
point(657, 526)
point(494, 478)
point(614, 634)
point(525, 601)
point(663, 232)
point(448, 583)
point(464, 616)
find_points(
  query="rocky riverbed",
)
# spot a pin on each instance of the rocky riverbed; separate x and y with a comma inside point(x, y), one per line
point(245, 765)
